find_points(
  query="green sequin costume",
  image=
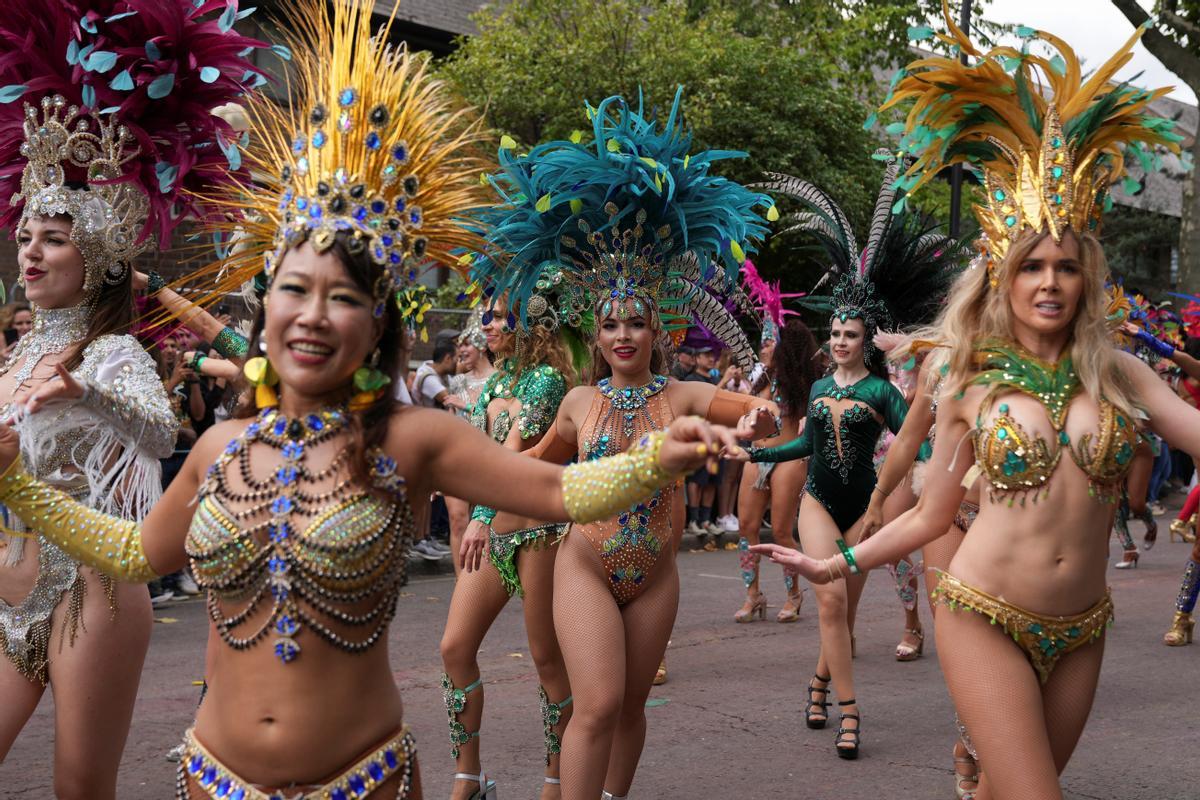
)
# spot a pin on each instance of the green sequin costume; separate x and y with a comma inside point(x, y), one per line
point(841, 479)
point(539, 389)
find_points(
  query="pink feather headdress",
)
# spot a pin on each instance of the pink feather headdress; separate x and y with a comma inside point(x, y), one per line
point(768, 299)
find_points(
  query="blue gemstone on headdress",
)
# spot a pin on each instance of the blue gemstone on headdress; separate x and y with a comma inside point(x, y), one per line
point(315, 212)
point(378, 252)
point(378, 206)
point(298, 144)
point(395, 258)
point(318, 139)
point(357, 785)
point(400, 153)
point(378, 310)
point(373, 141)
point(389, 758)
point(359, 213)
point(196, 764)
point(282, 505)
point(376, 770)
point(347, 96)
point(386, 241)
point(400, 205)
point(223, 787)
point(414, 216)
point(302, 203)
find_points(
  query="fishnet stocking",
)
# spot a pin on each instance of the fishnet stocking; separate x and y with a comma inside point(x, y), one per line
point(611, 653)
point(1023, 732)
point(783, 493)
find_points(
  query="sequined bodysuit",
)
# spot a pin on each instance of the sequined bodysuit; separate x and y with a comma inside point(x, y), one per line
point(629, 544)
point(841, 473)
point(112, 437)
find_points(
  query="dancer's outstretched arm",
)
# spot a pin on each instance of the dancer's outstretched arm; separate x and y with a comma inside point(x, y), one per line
point(901, 454)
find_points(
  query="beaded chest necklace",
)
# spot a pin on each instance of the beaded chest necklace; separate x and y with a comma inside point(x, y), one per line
point(352, 549)
point(626, 416)
point(54, 330)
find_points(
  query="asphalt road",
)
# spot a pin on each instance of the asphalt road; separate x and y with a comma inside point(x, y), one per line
point(728, 723)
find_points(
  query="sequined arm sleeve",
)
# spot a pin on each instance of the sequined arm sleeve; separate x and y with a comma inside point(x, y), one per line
point(800, 447)
point(599, 489)
point(540, 395)
point(109, 544)
point(892, 407)
point(128, 394)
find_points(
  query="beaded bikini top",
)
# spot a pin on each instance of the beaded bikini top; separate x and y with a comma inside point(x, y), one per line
point(1017, 463)
point(339, 575)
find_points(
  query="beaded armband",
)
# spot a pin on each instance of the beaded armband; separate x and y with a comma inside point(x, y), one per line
point(484, 514)
point(848, 553)
point(154, 283)
point(599, 489)
point(230, 344)
point(109, 544)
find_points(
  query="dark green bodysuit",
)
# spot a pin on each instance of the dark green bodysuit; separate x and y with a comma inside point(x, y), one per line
point(842, 482)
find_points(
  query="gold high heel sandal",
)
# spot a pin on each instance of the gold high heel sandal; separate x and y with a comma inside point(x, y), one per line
point(791, 608)
point(1181, 630)
point(752, 606)
point(905, 651)
point(1185, 529)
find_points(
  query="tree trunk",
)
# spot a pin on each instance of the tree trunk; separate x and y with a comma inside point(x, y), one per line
point(1189, 228)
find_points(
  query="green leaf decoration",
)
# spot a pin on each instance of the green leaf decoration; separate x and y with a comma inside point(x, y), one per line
point(123, 82)
point(14, 91)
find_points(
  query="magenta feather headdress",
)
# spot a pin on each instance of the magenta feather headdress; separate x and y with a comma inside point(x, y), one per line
point(157, 68)
point(768, 299)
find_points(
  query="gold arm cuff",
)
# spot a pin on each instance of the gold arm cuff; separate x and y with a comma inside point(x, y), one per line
point(596, 490)
point(109, 544)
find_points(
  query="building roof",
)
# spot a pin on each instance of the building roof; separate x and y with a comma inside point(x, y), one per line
point(449, 16)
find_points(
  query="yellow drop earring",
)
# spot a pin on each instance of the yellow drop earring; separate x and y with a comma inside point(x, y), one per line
point(263, 378)
point(370, 381)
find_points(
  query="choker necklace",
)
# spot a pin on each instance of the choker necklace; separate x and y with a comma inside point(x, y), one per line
point(54, 330)
point(627, 417)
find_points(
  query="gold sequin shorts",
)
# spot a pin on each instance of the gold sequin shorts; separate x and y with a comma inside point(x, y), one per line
point(1044, 639)
point(396, 756)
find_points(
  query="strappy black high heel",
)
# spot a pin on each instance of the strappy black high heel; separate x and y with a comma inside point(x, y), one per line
point(847, 735)
point(817, 720)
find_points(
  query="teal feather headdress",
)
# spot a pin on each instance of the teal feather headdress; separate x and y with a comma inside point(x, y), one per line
point(629, 215)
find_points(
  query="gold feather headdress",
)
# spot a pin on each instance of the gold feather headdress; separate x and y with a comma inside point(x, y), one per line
point(1049, 143)
point(370, 144)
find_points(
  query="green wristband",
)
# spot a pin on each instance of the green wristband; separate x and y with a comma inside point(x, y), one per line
point(848, 553)
point(483, 514)
point(230, 344)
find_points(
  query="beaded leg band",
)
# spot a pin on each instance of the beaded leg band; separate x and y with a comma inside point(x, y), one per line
point(456, 701)
point(1189, 589)
point(551, 716)
point(748, 561)
point(905, 574)
point(394, 757)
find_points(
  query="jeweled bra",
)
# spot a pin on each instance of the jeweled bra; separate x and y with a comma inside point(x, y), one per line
point(354, 547)
point(1017, 463)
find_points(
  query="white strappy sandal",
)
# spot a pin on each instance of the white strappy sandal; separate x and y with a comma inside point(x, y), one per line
point(487, 789)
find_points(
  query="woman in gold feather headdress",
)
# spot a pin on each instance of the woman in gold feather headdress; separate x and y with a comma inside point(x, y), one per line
point(1036, 400)
point(301, 528)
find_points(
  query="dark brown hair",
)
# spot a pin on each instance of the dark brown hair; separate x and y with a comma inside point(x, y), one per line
point(112, 314)
point(367, 427)
point(796, 365)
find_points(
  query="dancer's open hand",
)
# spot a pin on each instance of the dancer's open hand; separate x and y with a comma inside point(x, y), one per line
point(474, 545)
point(795, 561)
point(692, 443)
point(872, 519)
point(62, 386)
point(757, 423)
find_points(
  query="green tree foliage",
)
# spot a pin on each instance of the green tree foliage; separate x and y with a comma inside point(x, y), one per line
point(535, 62)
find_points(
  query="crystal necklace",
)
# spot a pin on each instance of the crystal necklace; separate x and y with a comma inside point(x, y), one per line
point(54, 330)
point(626, 415)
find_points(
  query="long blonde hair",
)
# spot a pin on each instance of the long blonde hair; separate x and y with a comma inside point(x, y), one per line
point(975, 312)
